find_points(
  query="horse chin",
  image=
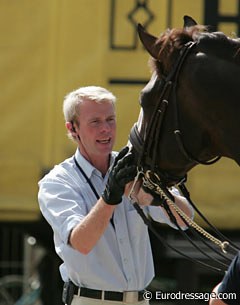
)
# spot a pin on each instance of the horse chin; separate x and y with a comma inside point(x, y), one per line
point(169, 179)
point(164, 177)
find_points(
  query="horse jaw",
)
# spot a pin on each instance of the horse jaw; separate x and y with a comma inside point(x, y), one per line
point(149, 41)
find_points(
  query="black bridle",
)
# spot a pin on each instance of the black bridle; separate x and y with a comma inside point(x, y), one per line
point(147, 148)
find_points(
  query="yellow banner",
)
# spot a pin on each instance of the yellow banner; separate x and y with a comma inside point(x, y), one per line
point(50, 47)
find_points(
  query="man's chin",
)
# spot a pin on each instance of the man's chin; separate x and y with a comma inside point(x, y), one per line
point(105, 149)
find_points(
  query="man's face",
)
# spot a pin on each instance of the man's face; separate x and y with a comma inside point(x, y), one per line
point(97, 128)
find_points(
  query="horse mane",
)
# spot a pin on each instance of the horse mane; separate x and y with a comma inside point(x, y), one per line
point(220, 45)
point(172, 41)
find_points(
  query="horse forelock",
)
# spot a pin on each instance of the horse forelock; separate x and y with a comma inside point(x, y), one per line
point(169, 44)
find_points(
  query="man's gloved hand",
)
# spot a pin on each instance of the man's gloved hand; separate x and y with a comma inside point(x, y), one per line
point(122, 171)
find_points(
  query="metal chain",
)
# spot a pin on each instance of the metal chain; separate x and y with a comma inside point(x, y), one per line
point(148, 182)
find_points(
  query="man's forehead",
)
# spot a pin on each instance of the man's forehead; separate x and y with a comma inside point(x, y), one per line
point(95, 109)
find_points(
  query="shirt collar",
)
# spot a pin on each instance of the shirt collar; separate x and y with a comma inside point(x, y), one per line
point(87, 167)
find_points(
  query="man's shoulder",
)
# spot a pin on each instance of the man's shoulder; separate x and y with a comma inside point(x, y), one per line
point(59, 171)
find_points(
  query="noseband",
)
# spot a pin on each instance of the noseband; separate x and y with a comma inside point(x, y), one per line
point(147, 148)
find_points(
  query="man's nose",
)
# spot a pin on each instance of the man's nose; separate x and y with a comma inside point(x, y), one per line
point(105, 126)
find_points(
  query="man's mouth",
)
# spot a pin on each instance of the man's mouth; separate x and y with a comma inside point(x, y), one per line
point(104, 141)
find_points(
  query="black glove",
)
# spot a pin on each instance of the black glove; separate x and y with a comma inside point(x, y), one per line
point(122, 171)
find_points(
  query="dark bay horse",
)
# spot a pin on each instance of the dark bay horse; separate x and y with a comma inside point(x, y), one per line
point(191, 105)
point(190, 110)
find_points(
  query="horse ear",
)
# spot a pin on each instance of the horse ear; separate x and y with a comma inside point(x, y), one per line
point(149, 41)
point(188, 22)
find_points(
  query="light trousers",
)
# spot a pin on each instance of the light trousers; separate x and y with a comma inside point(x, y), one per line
point(88, 301)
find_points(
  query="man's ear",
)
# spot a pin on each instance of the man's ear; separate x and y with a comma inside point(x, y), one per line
point(70, 127)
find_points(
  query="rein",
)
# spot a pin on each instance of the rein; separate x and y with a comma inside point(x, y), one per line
point(157, 182)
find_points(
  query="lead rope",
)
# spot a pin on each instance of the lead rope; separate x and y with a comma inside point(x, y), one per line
point(149, 183)
point(186, 194)
point(223, 245)
point(149, 223)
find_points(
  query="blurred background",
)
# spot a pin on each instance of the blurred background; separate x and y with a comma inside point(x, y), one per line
point(47, 49)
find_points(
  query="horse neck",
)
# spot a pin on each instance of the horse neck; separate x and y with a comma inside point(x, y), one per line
point(211, 106)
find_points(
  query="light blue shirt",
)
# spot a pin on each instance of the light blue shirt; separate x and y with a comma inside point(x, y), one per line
point(122, 258)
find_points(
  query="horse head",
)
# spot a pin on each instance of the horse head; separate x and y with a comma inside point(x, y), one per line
point(190, 107)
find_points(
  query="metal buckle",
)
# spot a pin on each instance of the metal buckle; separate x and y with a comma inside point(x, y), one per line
point(103, 295)
point(130, 296)
point(131, 192)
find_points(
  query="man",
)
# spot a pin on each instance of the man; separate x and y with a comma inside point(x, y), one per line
point(101, 239)
point(228, 291)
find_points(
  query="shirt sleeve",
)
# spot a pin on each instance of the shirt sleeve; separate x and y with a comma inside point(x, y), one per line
point(61, 205)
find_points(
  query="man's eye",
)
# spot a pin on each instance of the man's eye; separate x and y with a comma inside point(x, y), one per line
point(94, 122)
